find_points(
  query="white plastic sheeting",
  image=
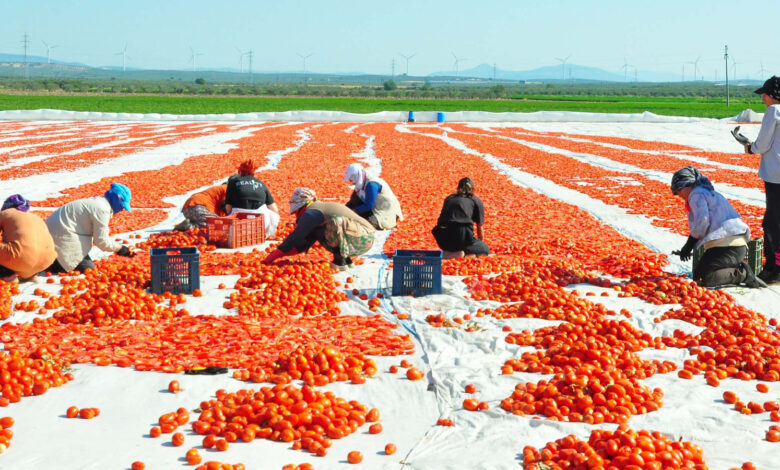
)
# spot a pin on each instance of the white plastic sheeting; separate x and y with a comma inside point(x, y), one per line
point(341, 116)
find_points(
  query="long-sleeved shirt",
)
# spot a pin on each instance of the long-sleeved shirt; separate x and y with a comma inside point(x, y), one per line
point(212, 199)
point(310, 226)
point(768, 145)
point(27, 247)
point(77, 225)
point(369, 201)
point(711, 217)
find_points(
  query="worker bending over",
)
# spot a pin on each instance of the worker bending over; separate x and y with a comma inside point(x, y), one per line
point(26, 247)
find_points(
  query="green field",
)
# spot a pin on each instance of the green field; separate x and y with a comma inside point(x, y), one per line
point(694, 107)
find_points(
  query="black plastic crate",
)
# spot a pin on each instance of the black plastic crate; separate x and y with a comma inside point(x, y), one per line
point(754, 258)
point(416, 272)
point(175, 270)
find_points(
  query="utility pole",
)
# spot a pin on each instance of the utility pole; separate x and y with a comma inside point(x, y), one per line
point(250, 54)
point(726, 58)
point(25, 42)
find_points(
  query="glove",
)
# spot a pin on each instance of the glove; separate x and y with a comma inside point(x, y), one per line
point(685, 252)
point(210, 370)
point(277, 253)
point(125, 251)
point(740, 138)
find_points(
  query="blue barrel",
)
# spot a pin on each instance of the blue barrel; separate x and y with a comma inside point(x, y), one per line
point(439, 117)
point(411, 116)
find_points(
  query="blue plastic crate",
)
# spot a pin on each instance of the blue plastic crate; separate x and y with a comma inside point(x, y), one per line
point(416, 272)
point(175, 270)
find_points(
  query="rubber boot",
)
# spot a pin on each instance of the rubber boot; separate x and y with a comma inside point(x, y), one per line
point(750, 279)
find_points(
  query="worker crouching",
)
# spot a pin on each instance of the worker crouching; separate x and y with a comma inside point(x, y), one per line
point(715, 225)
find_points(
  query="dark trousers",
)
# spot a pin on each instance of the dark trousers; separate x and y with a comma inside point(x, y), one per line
point(723, 265)
point(85, 264)
point(459, 237)
point(771, 226)
point(5, 272)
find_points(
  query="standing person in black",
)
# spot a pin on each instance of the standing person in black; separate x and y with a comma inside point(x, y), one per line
point(454, 231)
point(247, 194)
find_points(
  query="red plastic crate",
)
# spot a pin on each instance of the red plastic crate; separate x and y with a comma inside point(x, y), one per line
point(235, 232)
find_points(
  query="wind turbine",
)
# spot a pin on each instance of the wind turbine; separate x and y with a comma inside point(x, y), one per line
point(695, 64)
point(762, 71)
point(193, 57)
point(407, 58)
point(625, 68)
point(304, 57)
point(48, 51)
point(563, 65)
point(241, 55)
point(124, 57)
point(457, 64)
point(734, 66)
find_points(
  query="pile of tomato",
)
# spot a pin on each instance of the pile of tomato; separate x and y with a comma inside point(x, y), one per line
point(623, 448)
point(586, 394)
point(34, 373)
point(314, 365)
point(305, 417)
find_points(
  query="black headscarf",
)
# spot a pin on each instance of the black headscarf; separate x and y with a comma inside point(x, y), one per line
point(689, 177)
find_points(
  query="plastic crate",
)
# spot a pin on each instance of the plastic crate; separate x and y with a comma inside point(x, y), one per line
point(754, 258)
point(416, 272)
point(235, 232)
point(175, 270)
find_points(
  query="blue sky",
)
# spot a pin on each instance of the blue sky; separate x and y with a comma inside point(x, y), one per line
point(365, 36)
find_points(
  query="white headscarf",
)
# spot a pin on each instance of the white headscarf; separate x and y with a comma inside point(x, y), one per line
point(357, 176)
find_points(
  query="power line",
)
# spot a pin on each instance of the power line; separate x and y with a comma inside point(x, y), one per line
point(25, 43)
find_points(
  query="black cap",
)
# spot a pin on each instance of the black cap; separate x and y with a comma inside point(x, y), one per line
point(771, 87)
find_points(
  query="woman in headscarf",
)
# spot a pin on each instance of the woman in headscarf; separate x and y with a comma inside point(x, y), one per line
point(26, 247)
point(78, 224)
point(338, 229)
point(715, 225)
point(454, 231)
point(247, 194)
point(372, 198)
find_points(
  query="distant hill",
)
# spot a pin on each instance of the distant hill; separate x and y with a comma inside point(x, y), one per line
point(556, 73)
point(12, 65)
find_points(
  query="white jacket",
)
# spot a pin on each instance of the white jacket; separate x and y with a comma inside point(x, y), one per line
point(76, 226)
point(768, 145)
point(387, 207)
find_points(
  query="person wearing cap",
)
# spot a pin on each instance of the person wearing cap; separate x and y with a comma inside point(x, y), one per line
point(767, 144)
point(80, 223)
point(247, 194)
point(714, 225)
point(336, 227)
point(372, 198)
point(454, 231)
point(199, 206)
point(26, 247)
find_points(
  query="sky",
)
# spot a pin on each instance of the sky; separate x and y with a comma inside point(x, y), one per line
point(367, 36)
